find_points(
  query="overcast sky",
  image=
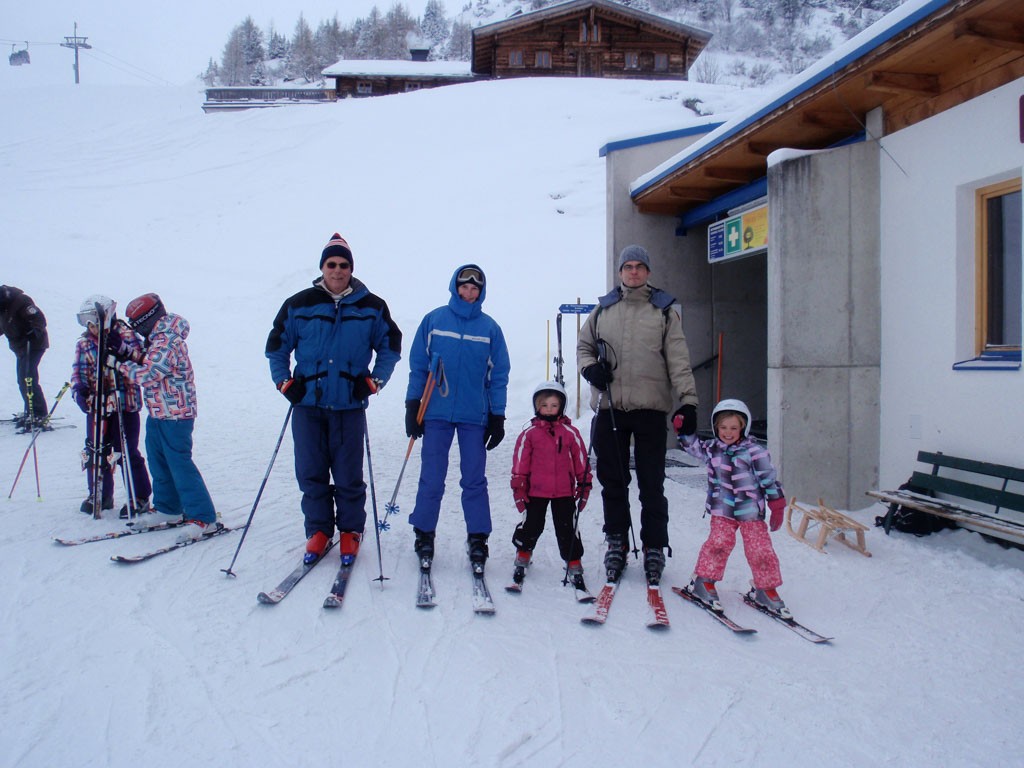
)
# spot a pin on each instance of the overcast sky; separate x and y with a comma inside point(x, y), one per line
point(139, 43)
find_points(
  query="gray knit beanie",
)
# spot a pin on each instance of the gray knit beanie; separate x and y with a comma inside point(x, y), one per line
point(634, 253)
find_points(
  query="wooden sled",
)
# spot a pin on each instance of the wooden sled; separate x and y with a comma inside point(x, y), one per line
point(830, 524)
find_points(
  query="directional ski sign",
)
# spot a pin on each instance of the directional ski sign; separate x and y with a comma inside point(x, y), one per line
point(577, 309)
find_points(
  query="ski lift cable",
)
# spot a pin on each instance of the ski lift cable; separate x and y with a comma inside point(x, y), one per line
point(101, 52)
point(141, 74)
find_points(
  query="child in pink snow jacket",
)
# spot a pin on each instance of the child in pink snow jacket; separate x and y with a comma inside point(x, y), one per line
point(550, 463)
point(741, 483)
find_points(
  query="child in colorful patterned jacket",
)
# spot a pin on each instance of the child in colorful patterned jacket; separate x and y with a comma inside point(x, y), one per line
point(741, 482)
point(550, 463)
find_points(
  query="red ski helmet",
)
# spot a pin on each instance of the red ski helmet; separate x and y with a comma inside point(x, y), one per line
point(143, 312)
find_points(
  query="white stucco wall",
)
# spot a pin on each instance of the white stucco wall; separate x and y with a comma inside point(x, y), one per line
point(927, 279)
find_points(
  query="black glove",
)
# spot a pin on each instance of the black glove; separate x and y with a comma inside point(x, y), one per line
point(412, 426)
point(685, 420)
point(364, 386)
point(293, 389)
point(81, 395)
point(599, 375)
point(117, 346)
point(494, 432)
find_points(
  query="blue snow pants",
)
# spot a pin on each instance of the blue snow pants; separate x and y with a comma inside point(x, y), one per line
point(330, 443)
point(437, 442)
point(178, 488)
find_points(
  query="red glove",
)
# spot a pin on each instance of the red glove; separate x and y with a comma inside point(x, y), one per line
point(520, 491)
point(777, 507)
point(581, 496)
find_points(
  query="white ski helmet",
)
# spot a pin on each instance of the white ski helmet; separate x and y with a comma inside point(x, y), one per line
point(554, 388)
point(732, 406)
point(87, 312)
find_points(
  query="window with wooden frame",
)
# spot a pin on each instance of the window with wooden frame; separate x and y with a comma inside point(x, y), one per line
point(364, 87)
point(515, 58)
point(542, 60)
point(632, 60)
point(661, 62)
point(998, 271)
point(584, 27)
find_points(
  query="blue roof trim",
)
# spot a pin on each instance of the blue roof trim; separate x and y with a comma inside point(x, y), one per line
point(731, 199)
point(883, 36)
point(741, 195)
point(654, 138)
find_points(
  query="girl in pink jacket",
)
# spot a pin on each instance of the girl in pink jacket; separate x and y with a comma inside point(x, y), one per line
point(550, 464)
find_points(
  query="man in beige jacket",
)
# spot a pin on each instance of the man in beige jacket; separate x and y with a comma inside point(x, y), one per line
point(633, 352)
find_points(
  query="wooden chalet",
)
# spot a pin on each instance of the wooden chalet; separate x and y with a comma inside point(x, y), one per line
point(587, 38)
point(354, 77)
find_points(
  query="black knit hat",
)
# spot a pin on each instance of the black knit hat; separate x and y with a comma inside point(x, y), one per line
point(337, 246)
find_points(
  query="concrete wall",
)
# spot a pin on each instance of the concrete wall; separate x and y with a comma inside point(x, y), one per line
point(824, 323)
point(928, 282)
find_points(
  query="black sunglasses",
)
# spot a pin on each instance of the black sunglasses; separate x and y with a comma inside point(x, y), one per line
point(338, 265)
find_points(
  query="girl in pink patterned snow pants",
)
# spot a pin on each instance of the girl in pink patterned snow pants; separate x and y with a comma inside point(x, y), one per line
point(741, 483)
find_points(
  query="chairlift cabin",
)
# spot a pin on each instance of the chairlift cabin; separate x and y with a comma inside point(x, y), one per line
point(17, 58)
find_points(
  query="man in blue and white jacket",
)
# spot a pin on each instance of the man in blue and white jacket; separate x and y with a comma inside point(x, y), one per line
point(336, 329)
point(466, 351)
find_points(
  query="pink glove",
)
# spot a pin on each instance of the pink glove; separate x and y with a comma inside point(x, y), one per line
point(581, 495)
point(777, 507)
point(520, 491)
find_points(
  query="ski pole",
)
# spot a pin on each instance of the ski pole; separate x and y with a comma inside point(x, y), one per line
point(31, 445)
point(259, 493)
point(391, 508)
point(373, 499)
point(35, 430)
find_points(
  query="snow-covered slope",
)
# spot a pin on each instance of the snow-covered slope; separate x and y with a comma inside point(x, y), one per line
point(171, 663)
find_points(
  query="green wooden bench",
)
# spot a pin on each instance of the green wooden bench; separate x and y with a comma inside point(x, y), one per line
point(992, 508)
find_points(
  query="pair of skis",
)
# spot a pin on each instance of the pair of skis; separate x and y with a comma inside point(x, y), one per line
point(335, 598)
point(789, 623)
point(134, 530)
point(483, 603)
point(519, 577)
point(657, 615)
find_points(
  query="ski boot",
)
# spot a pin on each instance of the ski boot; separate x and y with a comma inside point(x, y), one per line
point(521, 562)
point(316, 545)
point(476, 548)
point(615, 557)
point(140, 507)
point(424, 546)
point(106, 503)
point(770, 600)
point(575, 568)
point(349, 546)
point(704, 590)
point(654, 564)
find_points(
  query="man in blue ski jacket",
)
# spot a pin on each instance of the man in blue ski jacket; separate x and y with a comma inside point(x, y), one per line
point(346, 346)
point(466, 352)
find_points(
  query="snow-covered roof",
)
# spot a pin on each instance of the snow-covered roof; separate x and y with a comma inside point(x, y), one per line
point(397, 68)
point(886, 28)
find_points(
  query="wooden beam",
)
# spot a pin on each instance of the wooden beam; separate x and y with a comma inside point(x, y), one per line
point(762, 148)
point(729, 174)
point(1005, 34)
point(904, 82)
point(691, 193)
point(829, 119)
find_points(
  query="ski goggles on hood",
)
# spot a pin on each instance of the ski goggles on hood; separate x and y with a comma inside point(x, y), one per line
point(470, 275)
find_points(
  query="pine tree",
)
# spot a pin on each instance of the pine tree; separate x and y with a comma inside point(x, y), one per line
point(398, 25)
point(434, 25)
point(328, 42)
point(302, 61)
